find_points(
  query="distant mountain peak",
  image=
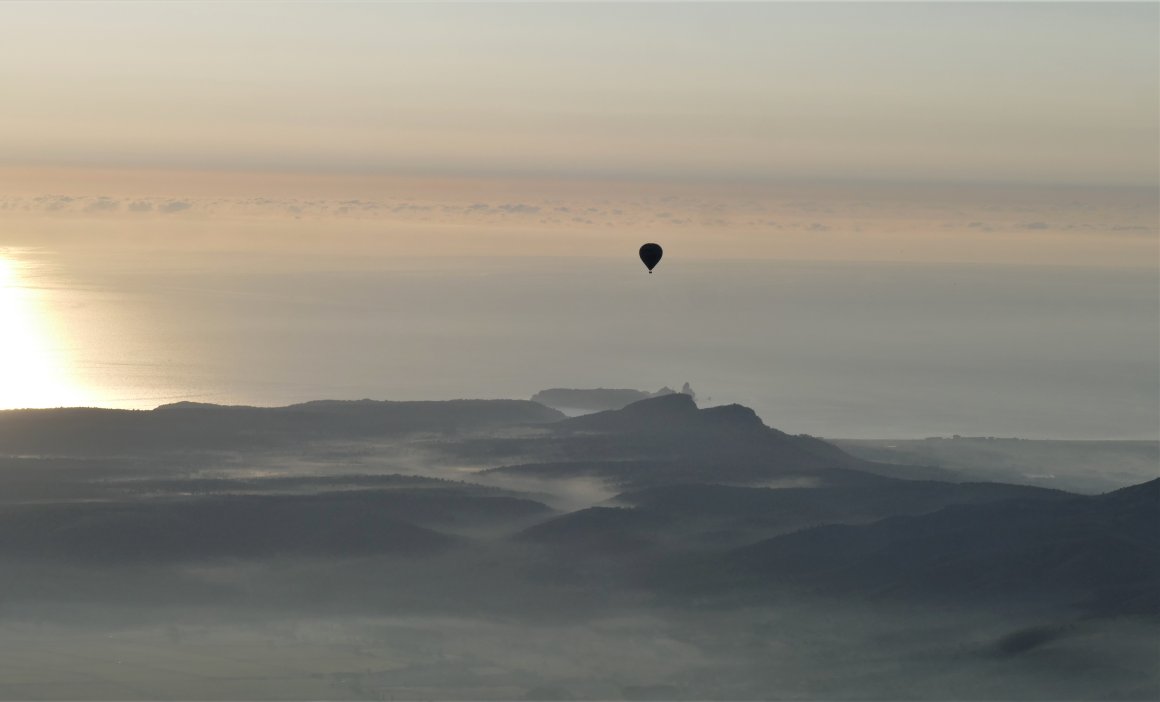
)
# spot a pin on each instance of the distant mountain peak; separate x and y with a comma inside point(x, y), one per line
point(595, 399)
point(669, 402)
point(676, 412)
point(734, 415)
point(187, 405)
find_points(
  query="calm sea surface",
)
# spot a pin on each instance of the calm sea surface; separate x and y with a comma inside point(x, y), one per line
point(838, 350)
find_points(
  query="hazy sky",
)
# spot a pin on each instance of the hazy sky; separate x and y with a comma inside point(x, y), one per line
point(219, 146)
point(995, 92)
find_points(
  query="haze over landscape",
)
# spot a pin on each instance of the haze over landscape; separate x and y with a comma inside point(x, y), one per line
point(328, 368)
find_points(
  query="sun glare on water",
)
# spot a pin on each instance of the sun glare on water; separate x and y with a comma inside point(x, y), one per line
point(33, 372)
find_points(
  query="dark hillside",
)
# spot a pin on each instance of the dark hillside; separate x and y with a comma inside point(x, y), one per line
point(668, 439)
point(1102, 552)
point(187, 425)
point(324, 525)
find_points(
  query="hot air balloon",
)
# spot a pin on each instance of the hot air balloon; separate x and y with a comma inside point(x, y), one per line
point(651, 254)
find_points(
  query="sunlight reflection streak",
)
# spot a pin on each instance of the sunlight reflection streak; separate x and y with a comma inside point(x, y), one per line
point(32, 371)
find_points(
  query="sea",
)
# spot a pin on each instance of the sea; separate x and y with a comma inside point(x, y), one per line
point(838, 350)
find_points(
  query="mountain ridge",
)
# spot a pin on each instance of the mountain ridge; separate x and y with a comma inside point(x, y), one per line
point(203, 425)
point(1101, 552)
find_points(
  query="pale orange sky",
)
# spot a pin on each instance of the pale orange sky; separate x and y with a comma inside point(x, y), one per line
point(990, 132)
point(983, 92)
point(359, 216)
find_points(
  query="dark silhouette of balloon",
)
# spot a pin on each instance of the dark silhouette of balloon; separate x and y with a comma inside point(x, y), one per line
point(651, 254)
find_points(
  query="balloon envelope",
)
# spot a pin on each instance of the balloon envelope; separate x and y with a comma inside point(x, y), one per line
point(650, 255)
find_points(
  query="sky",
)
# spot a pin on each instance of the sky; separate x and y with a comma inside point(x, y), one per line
point(556, 125)
point(1042, 93)
point(196, 141)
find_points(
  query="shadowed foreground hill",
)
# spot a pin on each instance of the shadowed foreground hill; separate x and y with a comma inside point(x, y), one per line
point(1102, 552)
point(404, 521)
point(188, 425)
point(706, 517)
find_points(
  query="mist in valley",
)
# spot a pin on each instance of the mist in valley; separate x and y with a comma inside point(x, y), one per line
point(499, 550)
